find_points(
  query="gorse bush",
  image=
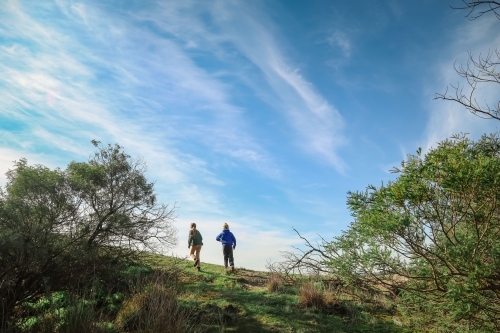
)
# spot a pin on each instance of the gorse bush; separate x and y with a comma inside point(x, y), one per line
point(435, 227)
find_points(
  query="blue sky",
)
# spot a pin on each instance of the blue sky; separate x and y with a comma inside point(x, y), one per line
point(262, 114)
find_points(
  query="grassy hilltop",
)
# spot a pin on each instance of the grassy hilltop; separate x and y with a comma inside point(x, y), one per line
point(169, 295)
point(253, 301)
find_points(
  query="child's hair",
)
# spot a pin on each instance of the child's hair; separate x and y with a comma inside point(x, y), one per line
point(225, 226)
point(193, 232)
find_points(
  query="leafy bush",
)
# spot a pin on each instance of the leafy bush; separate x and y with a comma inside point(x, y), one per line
point(432, 234)
point(429, 239)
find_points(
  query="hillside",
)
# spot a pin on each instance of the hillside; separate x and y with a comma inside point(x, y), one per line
point(167, 294)
point(244, 303)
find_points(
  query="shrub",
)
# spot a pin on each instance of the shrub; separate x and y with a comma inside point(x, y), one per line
point(429, 238)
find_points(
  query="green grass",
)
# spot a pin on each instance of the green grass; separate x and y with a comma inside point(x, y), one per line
point(243, 304)
point(211, 300)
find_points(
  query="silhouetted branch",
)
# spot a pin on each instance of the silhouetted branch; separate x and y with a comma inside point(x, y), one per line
point(480, 70)
point(477, 9)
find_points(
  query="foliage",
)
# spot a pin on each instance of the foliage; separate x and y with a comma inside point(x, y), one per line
point(60, 229)
point(37, 210)
point(169, 295)
point(433, 234)
point(118, 204)
point(63, 312)
point(430, 239)
point(96, 307)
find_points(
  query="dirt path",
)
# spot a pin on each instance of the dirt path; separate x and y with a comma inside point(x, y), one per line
point(251, 279)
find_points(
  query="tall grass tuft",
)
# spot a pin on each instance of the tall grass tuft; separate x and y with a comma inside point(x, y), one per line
point(275, 283)
point(311, 295)
point(156, 309)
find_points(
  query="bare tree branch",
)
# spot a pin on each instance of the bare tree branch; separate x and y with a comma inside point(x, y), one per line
point(475, 72)
point(477, 8)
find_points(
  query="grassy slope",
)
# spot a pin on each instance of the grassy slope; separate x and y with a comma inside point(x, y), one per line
point(244, 304)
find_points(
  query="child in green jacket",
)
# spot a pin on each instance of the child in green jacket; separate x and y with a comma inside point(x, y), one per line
point(195, 242)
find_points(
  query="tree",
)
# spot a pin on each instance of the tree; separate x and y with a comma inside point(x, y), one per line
point(431, 237)
point(58, 228)
point(119, 206)
point(477, 71)
point(36, 209)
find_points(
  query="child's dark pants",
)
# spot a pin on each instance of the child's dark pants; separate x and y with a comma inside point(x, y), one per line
point(227, 250)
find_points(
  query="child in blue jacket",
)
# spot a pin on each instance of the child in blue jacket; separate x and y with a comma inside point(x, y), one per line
point(228, 241)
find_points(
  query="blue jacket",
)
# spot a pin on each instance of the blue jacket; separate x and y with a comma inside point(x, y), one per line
point(227, 238)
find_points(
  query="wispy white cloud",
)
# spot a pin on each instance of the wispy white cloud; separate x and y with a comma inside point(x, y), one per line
point(53, 93)
point(73, 71)
point(247, 29)
point(70, 91)
point(318, 124)
point(65, 82)
point(340, 39)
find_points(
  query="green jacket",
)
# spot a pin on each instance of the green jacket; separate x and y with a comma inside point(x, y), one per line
point(196, 239)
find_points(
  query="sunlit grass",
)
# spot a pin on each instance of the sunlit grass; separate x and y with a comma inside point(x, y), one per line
point(172, 292)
